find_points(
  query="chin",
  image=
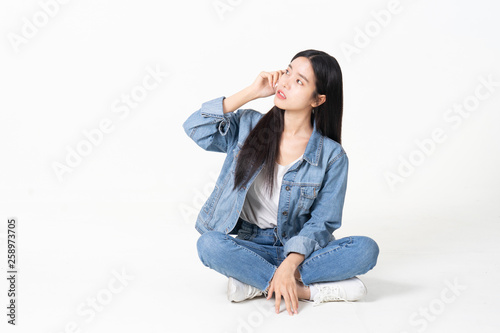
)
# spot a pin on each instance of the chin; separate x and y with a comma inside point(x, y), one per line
point(278, 102)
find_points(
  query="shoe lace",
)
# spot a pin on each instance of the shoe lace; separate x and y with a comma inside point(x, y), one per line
point(327, 294)
point(252, 292)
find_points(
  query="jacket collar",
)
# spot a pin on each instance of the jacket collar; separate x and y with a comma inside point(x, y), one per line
point(313, 148)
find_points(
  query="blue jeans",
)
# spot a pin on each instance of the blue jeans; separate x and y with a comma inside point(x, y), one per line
point(254, 254)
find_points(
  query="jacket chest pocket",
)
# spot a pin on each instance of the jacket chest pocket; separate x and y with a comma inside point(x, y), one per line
point(307, 196)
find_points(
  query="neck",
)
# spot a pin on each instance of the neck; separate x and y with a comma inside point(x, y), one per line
point(297, 124)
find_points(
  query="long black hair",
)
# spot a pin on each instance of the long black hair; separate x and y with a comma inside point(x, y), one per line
point(263, 141)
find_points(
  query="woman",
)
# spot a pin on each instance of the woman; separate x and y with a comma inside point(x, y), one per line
point(281, 189)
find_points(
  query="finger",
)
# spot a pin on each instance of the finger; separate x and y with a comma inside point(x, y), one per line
point(265, 76)
point(295, 302)
point(280, 74)
point(277, 302)
point(270, 291)
point(287, 303)
point(273, 79)
point(270, 78)
point(292, 291)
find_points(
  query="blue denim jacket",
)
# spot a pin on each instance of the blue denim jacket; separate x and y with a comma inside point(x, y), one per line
point(312, 191)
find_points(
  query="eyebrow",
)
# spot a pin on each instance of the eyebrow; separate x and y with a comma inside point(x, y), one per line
point(302, 76)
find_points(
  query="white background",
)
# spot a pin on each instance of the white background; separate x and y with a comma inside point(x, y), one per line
point(130, 204)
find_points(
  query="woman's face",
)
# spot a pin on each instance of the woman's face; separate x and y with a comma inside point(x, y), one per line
point(297, 84)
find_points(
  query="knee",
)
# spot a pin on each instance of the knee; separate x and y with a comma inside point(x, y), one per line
point(369, 250)
point(208, 244)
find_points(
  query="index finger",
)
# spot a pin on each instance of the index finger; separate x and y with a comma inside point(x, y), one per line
point(270, 291)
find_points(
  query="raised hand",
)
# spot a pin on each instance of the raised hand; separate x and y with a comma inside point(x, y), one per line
point(265, 83)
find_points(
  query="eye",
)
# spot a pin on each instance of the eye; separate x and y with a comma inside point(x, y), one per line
point(286, 71)
point(299, 82)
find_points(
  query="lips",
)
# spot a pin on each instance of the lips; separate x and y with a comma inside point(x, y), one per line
point(281, 94)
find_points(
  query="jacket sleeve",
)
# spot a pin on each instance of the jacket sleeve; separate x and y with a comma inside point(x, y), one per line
point(326, 211)
point(211, 128)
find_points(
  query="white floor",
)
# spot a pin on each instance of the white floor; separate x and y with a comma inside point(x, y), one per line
point(436, 272)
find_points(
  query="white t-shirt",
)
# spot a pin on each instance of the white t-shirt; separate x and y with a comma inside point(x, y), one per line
point(259, 208)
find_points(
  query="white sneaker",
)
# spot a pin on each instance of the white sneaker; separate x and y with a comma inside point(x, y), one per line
point(348, 290)
point(238, 291)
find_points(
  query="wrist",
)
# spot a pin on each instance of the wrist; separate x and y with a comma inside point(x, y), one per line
point(250, 93)
point(294, 259)
point(235, 101)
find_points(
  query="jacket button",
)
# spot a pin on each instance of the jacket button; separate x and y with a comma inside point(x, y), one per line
point(283, 234)
point(285, 213)
point(287, 188)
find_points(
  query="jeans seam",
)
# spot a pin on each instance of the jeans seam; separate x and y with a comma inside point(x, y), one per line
point(340, 246)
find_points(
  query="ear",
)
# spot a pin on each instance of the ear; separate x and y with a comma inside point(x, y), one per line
point(320, 100)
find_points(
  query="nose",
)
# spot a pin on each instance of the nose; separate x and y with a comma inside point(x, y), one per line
point(283, 81)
